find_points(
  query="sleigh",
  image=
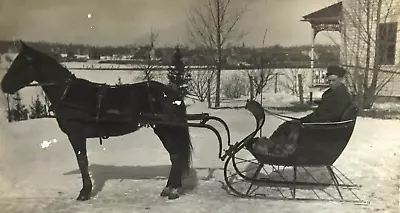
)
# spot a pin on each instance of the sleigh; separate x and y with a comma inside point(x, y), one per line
point(250, 174)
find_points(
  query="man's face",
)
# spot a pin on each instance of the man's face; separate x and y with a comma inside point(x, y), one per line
point(333, 81)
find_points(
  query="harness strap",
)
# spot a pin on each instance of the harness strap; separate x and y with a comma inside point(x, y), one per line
point(68, 82)
point(100, 94)
point(150, 97)
point(102, 89)
point(64, 94)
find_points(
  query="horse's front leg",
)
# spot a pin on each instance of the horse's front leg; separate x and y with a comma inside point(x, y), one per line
point(79, 145)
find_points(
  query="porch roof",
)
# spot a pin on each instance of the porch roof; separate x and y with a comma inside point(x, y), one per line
point(328, 15)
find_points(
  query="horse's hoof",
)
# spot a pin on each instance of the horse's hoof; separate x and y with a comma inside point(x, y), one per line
point(84, 194)
point(165, 192)
point(174, 194)
point(83, 197)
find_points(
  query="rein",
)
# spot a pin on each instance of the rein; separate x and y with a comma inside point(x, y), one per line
point(43, 84)
point(66, 81)
point(279, 116)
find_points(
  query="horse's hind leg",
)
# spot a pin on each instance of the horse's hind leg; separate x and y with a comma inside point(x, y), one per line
point(79, 145)
point(178, 155)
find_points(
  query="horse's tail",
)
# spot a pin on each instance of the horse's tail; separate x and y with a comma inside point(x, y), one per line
point(187, 146)
point(185, 143)
point(188, 150)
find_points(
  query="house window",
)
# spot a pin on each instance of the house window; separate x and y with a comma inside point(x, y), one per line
point(386, 44)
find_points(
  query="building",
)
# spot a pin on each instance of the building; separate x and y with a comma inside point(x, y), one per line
point(368, 41)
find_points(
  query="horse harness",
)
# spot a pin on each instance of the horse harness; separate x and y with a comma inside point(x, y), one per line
point(102, 88)
point(100, 94)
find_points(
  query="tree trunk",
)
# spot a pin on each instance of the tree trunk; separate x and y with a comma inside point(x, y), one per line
point(218, 86)
point(370, 96)
point(368, 51)
point(219, 53)
point(357, 80)
point(209, 92)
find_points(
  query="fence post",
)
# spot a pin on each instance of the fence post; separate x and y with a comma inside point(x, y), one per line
point(251, 87)
point(9, 118)
point(300, 79)
point(276, 82)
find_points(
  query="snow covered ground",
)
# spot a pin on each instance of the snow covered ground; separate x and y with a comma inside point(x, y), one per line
point(36, 179)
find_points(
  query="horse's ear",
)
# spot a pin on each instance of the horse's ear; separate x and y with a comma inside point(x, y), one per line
point(24, 48)
point(23, 45)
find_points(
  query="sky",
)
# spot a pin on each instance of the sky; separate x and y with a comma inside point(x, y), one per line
point(124, 22)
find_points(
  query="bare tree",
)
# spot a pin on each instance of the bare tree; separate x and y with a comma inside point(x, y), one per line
point(235, 86)
point(369, 39)
point(198, 85)
point(292, 79)
point(259, 78)
point(149, 67)
point(213, 24)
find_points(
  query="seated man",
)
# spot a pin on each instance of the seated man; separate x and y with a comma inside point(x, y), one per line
point(333, 103)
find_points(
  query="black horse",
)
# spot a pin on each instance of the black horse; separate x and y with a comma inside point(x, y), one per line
point(85, 109)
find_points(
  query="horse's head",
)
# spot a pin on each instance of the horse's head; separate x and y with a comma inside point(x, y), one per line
point(22, 72)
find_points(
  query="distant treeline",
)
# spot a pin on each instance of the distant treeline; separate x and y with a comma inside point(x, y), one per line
point(236, 56)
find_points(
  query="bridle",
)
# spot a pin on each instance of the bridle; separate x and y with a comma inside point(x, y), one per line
point(65, 82)
point(29, 61)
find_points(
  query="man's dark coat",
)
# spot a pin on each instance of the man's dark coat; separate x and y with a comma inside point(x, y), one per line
point(333, 104)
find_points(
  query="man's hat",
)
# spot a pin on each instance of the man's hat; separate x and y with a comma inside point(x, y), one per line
point(336, 70)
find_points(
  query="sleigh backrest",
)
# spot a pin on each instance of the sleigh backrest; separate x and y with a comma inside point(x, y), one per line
point(258, 112)
point(320, 144)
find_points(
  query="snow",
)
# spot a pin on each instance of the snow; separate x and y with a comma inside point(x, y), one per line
point(387, 106)
point(46, 144)
point(130, 171)
point(177, 102)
